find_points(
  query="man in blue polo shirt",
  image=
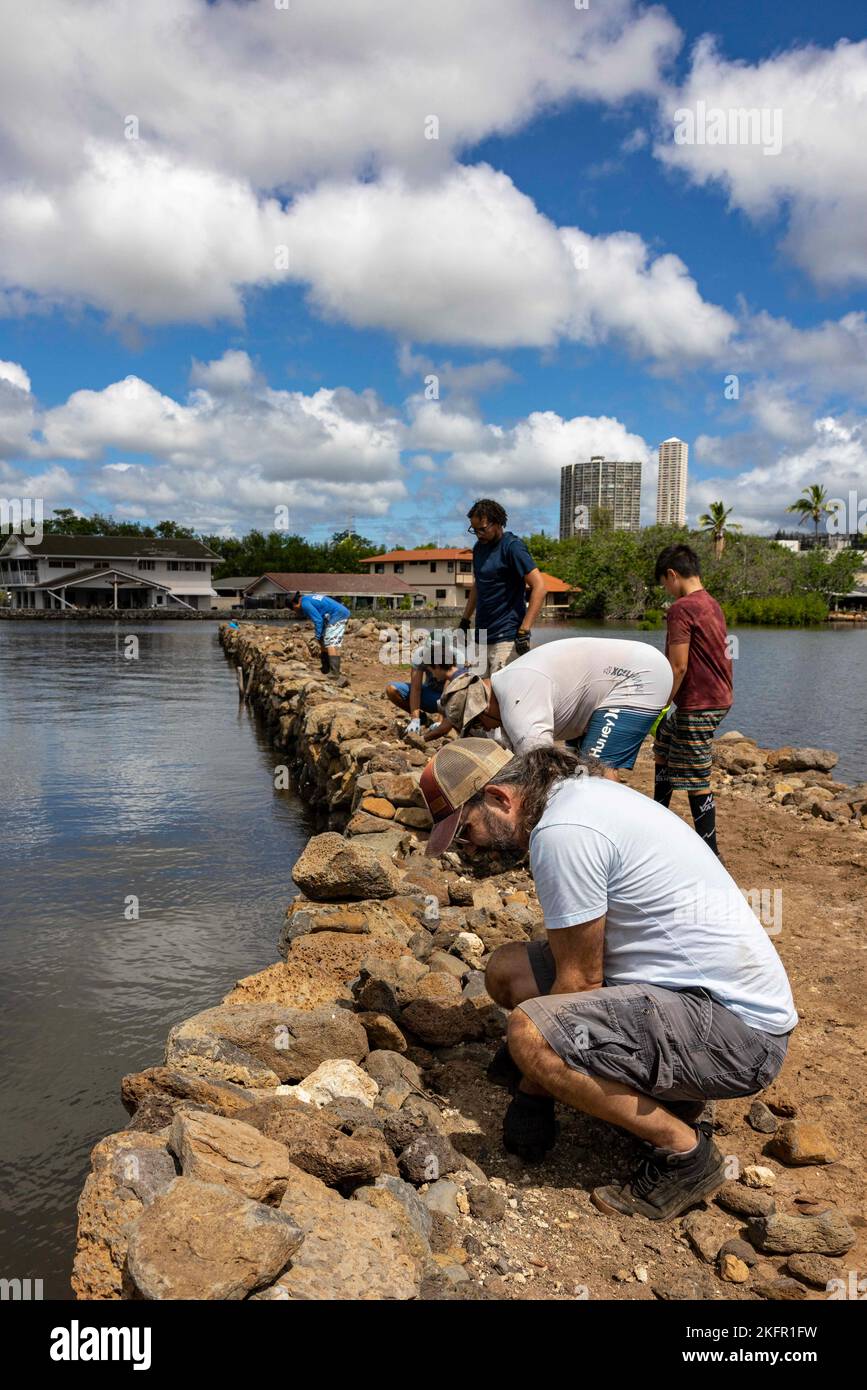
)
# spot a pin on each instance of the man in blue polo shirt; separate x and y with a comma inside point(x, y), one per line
point(503, 570)
point(329, 624)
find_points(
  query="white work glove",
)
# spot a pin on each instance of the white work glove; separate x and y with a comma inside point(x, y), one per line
point(414, 726)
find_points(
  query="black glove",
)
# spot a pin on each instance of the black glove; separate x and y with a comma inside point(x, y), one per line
point(464, 625)
point(522, 642)
point(529, 1127)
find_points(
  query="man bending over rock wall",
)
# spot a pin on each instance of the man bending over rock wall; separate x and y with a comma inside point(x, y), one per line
point(657, 989)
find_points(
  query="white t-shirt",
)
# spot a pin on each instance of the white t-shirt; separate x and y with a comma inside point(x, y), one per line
point(673, 915)
point(552, 692)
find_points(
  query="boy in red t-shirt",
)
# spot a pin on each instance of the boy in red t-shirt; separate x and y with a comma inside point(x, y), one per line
point(697, 648)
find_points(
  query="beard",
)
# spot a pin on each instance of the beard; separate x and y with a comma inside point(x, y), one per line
point(501, 836)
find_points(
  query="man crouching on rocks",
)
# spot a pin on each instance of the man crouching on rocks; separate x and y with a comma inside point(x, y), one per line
point(657, 988)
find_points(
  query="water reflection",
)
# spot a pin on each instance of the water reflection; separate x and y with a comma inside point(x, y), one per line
point(122, 778)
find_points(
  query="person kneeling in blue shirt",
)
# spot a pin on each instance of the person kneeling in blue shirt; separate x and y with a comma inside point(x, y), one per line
point(329, 620)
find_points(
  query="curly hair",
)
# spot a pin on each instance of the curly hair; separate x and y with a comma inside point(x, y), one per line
point(491, 511)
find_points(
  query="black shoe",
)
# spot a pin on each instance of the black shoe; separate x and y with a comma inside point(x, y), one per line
point(529, 1127)
point(665, 1184)
point(502, 1071)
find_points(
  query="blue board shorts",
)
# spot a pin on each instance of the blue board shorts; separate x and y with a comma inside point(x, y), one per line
point(615, 734)
point(430, 695)
point(333, 634)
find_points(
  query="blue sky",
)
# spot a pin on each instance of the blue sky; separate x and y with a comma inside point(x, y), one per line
point(155, 361)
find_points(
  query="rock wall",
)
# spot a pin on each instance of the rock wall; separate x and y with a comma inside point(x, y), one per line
point(296, 1126)
point(299, 1139)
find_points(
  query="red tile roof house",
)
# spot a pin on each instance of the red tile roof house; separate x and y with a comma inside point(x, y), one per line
point(445, 576)
point(274, 590)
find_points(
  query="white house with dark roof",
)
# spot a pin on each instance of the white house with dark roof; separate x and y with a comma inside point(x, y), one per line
point(115, 572)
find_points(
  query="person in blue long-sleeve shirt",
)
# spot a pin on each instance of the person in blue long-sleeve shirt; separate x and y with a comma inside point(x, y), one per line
point(329, 624)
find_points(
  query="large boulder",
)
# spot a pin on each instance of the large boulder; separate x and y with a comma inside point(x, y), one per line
point(443, 1024)
point(334, 867)
point(314, 1144)
point(152, 1096)
point(128, 1172)
point(283, 1044)
point(336, 1079)
point(204, 1241)
point(351, 1251)
point(297, 983)
point(802, 759)
point(216, 1149)
point(384, 986)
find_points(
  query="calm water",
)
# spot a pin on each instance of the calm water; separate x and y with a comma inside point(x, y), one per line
point(143, 777)
point(120, 777)
point(791, 686)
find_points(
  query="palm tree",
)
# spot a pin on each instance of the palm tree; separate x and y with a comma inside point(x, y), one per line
point(813, 503)
point(716, 520)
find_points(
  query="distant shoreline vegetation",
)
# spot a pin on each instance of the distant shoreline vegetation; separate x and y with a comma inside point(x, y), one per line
point(755, 579)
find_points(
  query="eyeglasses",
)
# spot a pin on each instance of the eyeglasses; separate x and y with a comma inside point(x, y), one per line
point(462, 835)
point(477, 530)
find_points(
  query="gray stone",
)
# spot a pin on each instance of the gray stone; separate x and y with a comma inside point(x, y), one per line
point(828, 1234)
point(443, 1024)
point(741, 1249)
point(802, 759)
point(761, 1118)
point(408, 1197)
point(205, 1241)
point(351, 1251)
point(385, 986)
point(427, 1157)
point(145, 1172)
point(782, 1289)
point(442, 1197)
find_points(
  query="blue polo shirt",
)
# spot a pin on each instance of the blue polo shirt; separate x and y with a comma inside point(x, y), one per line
point(322, 611)
point(500, 569)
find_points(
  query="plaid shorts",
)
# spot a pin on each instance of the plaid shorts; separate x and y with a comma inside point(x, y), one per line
point(684, 742)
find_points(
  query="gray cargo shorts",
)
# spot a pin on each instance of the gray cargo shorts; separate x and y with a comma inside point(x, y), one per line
point(669, 1044)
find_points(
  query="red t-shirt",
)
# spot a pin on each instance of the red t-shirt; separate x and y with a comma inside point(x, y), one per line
point(698, 619)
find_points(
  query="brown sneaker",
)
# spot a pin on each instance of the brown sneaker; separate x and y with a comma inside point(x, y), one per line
point(664, 1184)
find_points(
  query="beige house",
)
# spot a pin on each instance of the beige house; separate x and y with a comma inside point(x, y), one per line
point(445, 577)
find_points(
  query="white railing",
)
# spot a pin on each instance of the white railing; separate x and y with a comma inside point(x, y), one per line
point(18, 577)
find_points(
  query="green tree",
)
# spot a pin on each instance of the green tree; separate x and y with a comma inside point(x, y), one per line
point(716, 521)
point(813, 505)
